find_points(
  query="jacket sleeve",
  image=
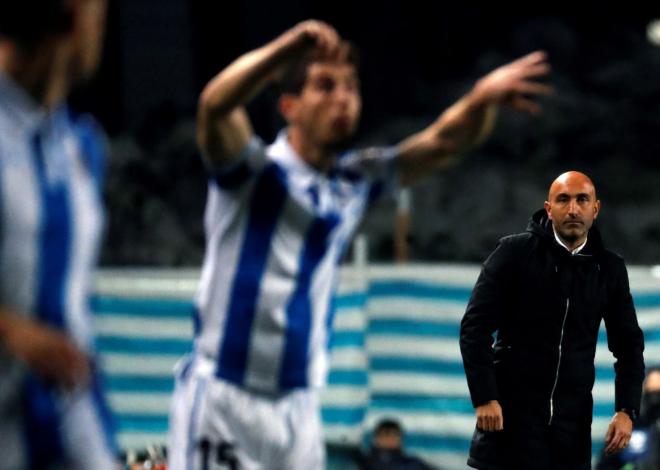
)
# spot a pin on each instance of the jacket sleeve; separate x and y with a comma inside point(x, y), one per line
point(626, 342)
point(482, 318)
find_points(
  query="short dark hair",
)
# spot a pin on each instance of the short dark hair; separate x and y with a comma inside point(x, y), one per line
point(28, 22)
point(295, 77)
point(388, 424)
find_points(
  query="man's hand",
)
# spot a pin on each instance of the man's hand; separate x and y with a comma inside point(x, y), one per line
point(515, 84)
point(489, 416)
point(618, 433)
point(49, 353)
point(320, 38)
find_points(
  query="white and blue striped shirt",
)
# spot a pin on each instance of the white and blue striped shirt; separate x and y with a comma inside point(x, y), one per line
point(276, 232)
point(51, 214)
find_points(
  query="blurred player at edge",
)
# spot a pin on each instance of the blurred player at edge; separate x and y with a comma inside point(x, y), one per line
point(52, 412)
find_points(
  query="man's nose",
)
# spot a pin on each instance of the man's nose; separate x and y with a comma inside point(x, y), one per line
point(342, 94)
point(573, 207)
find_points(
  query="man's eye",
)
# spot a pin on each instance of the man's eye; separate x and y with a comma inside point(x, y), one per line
point(325, 85)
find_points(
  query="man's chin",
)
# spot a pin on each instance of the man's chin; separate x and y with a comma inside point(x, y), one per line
point(570, 236)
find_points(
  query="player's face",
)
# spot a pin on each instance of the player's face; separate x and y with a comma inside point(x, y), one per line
point(87, 36)
point(572, 206)
point(328, 107)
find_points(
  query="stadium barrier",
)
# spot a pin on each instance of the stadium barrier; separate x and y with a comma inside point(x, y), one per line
point(395, 353)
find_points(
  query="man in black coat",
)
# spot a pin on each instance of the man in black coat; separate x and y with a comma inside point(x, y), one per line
point(545, 292)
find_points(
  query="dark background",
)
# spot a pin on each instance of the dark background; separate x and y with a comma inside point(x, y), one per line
point(417, 58)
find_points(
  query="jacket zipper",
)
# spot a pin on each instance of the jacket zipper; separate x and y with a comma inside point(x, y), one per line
point(554, 386)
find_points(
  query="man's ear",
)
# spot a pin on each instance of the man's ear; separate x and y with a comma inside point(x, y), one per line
point(287, 106)
point(596, 208)
point(546, 206)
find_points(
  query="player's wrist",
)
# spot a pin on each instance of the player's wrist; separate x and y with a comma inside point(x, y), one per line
point(632, 413)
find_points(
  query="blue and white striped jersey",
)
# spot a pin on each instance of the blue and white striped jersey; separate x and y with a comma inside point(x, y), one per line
point(276, 232)
point(51, 213)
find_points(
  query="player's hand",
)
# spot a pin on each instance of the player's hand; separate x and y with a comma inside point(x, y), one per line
point(618, 433)
point(318, 38)
point(516, 83)
point(49, 353)
point(489, 416)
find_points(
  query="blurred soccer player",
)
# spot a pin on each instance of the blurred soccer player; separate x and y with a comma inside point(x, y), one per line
point(278, 220)
point(52, 413)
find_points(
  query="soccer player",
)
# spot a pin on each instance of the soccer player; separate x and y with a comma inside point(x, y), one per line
point(278, 219)
point(52, 413)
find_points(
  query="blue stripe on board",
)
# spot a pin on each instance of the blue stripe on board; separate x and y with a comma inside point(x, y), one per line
point(54, 241)
point(123, 344)
point(404, 402)
point(143, 423)
point(147, 307)
point(435, 442)
point(357, 377)
point(417, 365)
point(646, 299)
point(355, 300)
point(267, 202)
point(444, 404)
point(650, 335)
point(348, 339)
point(293, 368)
point(404, 288)
point(414, 328)
point(348, 416)
point(443, 367)
point(138, 383)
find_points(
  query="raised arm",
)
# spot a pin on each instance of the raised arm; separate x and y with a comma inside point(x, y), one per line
point(469, 121)
point(223, 127)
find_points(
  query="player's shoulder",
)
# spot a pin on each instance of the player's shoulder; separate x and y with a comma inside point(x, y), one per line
point(92, 140)
point(517, 240)
point(85, 126)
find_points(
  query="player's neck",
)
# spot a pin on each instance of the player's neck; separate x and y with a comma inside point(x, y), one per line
point(42, 73)
point(316, 156)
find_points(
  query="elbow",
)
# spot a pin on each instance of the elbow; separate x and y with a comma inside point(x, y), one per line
point(212, 103)
point(208, 105)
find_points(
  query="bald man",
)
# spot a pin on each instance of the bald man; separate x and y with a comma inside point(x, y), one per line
point(545, 292)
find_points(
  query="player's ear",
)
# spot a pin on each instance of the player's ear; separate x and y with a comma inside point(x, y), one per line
point(287, 106)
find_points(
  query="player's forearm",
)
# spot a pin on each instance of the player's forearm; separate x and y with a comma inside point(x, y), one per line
point(248, 75)
point(463, 126)
point(459, 129)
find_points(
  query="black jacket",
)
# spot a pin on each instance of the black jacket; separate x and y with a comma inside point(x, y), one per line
point(546, 306)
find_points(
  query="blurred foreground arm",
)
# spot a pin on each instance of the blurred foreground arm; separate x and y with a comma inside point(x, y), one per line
point(49, 353)
point(469, 121)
